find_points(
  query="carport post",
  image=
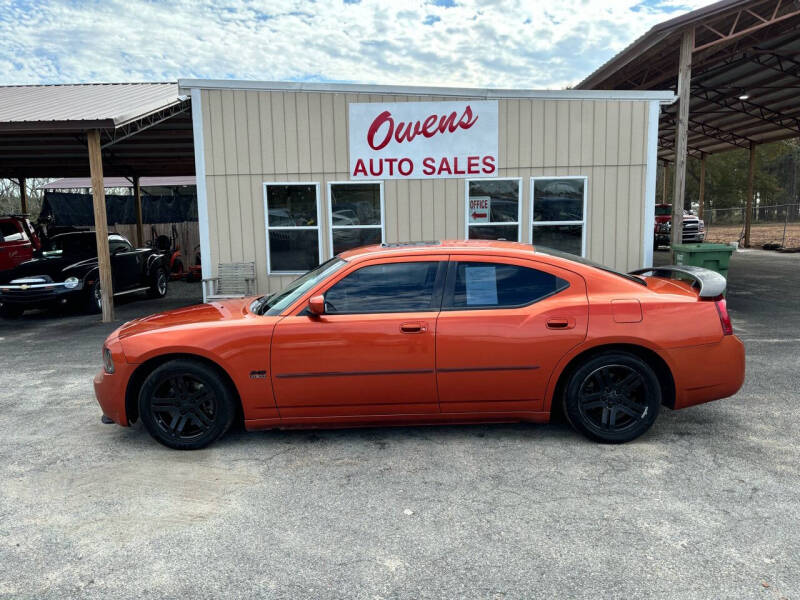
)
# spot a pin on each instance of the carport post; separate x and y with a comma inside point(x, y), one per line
point(681, 136)
point(748, 209)
point(701, 200)
point(137, 195)
point(101, 224)
point(23, 196)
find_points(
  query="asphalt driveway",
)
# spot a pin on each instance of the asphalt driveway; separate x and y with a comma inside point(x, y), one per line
point(706, 505)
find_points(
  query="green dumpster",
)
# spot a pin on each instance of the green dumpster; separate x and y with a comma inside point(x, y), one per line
point(714, 257)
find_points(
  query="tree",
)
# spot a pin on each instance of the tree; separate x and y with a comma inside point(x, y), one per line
point(10, 198)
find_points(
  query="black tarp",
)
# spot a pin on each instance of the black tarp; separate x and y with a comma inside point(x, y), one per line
point(76, 209)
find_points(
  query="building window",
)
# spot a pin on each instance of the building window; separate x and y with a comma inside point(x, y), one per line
point(355, 215)
point(493, 209)
point(292, 215)
point(558, 206)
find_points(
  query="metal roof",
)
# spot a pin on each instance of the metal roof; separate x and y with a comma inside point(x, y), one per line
point(74, 183)
point(745, 74)
point(412, 90)
point(145, 129)
point(89, 105)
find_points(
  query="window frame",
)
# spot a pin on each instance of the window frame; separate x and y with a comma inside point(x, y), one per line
point(452, 273)
point(506, 223)
point(582, 222)
point(330, 212)
point(437, 296)
point(269, 228)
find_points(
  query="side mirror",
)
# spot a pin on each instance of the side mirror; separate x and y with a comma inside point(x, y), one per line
point(317, 305)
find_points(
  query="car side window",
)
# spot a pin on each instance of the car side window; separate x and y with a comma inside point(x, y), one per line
point(477, 285)
point(385, 288)
point(10, 233)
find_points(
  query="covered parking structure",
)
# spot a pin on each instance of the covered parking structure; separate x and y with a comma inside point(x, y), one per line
point(735, 66)
point(127, 130)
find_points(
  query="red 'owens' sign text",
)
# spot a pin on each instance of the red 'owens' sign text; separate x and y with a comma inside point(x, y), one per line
point(417, 140)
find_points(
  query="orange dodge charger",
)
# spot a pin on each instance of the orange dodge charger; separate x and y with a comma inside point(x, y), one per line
point(435, 332)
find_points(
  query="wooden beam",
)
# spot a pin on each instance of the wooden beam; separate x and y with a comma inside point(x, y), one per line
point(681, 136)
point(701, 200)
point(137, 199)
point(23, 196)
point(101, 224)
point(748, 209)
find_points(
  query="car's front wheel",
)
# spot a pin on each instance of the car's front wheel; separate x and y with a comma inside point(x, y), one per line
point(613, 397)
point(186, 405)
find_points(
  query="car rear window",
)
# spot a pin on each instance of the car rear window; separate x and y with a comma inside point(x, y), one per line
point(9, 232)
point(588, 263)
point(499, 285)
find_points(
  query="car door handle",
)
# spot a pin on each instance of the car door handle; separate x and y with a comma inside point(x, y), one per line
point(560, 323)
point(413, 327)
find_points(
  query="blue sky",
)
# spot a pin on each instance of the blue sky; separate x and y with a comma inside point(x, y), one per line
point(503, 43)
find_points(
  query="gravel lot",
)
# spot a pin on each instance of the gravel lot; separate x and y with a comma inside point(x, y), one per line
point(706, 505)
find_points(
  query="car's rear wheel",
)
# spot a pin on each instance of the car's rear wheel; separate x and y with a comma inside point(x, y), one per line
point(613, 397)
point(186, 405)
point(158, 283)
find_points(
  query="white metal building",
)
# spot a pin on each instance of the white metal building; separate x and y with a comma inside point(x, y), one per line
point(289, 174)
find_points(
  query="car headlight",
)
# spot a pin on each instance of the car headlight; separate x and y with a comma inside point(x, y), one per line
point(108, 362)
point(71, 283)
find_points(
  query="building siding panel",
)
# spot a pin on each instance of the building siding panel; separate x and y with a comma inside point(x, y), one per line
point(252, 137)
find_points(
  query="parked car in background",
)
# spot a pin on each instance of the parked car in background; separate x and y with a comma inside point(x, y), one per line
point(19, 241)
point(67, 272)
point(694, 229)
point(450, 332)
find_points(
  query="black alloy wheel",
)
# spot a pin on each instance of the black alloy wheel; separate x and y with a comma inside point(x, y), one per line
point(613, 398)
point(185, 404)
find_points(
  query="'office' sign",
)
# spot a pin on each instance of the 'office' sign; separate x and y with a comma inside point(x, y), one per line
point(422, 140)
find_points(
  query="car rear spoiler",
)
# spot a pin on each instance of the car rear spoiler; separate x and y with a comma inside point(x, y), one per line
point(711, 283)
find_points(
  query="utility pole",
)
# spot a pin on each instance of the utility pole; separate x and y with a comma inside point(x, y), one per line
point(681, 136)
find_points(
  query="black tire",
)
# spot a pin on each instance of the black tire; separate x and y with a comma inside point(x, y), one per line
point(158, 283)
point(613, 397)
point(11, 311)
point(186, 405)
point(94, 300)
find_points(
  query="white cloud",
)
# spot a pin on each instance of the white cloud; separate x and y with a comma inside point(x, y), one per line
point(503, 43)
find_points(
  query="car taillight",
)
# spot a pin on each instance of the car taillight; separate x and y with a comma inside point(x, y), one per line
point(724, 317)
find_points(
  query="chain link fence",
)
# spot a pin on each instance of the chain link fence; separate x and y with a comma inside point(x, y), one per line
point(776, 225)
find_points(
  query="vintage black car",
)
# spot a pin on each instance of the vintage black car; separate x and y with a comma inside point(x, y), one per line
point(66, 271)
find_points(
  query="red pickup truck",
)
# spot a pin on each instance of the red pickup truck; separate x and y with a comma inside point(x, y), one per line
point(694, 230)
point(18, 241)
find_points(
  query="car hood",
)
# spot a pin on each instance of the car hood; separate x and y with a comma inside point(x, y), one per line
point(212, 312)
point(56, 267)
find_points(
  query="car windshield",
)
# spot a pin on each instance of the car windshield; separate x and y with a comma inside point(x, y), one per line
point(664, 210)
point(587, 262)
point(71, 243)
point(277, 302)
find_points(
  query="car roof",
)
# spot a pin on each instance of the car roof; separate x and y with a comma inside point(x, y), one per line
point(438, 247)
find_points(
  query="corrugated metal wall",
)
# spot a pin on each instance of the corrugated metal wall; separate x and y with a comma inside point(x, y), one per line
point(252, 137)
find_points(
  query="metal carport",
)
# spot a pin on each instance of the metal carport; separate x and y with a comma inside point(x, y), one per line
point(118, 129)
point(736, 67)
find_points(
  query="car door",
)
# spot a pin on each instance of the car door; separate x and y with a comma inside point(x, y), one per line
point(126, 264)
point(372, 352)
point(15, 247)
point(504, 325)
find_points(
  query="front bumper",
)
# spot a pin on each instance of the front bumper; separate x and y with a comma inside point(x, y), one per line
point(110, 388)
point(36, 295)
